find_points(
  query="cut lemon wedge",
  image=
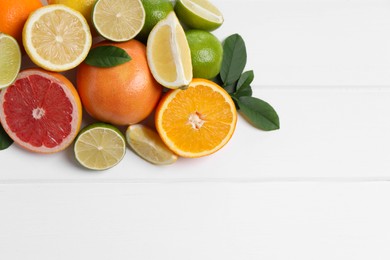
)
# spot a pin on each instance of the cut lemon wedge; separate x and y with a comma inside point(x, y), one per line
point(118, 20)
point(10, 60)
point(148, 145)
point(56, 37)
point(168, 53)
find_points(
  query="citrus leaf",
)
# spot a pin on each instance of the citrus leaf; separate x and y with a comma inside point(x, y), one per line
point(5, 140)
point(234, 59)
point(259, 113)
point(107, 56)
point(243, 85)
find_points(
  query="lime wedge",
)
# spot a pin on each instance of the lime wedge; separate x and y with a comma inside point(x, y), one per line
point(118, 20)
point(199, 14)
point(148, 145)
point(10, 60)
point(99, 146)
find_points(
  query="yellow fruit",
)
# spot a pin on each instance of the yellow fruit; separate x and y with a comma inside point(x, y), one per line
point(56, 37)
point(197, 121)
point(169, 55)
point(84, 7)
point(148, 145)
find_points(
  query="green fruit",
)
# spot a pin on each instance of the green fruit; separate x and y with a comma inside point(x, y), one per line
point(99, 146)
point(199, 14)
point(10, 60)
point(155, 11)
point(206, 53)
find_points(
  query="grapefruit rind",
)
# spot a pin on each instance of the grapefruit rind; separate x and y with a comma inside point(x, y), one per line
point(73, 98)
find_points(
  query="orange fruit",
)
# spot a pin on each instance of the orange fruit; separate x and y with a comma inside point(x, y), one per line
point(121, 95)
point(41, 111)
point(13, 15)
point(197, 121)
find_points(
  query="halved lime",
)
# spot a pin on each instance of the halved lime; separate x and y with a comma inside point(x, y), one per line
point(148, 145)
point(199, 14)
point(99, 146)
point(10, 60)
point(118, 20)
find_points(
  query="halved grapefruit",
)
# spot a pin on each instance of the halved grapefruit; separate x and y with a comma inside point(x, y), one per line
point(41, 111)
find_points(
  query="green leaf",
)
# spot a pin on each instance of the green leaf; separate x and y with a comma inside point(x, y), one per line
point(231, 88)
point(234, 59)
point(5, 140)
point(259, 113)
point(107, 56)
point(243, 85)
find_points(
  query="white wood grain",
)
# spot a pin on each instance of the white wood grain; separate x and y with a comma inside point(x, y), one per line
point(273, 221)
point(325, 133)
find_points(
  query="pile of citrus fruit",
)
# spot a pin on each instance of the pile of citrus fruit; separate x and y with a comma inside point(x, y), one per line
point(133, 60)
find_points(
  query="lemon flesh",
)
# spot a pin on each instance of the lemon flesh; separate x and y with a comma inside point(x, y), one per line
point(199, 14)
point(148, 145)
point(10, 60)
point(168, 53)
point(56, 37)
point(118, 20)
point(99, 146)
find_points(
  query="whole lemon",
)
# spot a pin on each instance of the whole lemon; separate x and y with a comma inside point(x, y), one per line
point(206, 53)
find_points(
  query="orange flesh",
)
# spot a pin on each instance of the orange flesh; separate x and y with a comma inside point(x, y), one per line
point(198, 120)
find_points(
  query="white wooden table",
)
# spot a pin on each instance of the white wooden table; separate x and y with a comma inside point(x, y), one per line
point(315, 189)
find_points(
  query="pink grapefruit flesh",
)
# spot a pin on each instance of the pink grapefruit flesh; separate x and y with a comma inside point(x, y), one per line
point(41, 111)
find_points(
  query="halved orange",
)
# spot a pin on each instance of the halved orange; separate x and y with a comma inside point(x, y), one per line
point(197, 121)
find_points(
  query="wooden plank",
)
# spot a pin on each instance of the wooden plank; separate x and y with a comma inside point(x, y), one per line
point(325, 133)
point(271, 221)
point(313, 43)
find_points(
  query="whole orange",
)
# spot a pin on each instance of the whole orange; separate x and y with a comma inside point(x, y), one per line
point(13, 15)
point(121, 95)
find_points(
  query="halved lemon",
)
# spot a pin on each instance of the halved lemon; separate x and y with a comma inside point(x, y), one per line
point(168, 53)
point(56, 37)
point(197, 121)
point(148, 145)
point(118, 20)
point(10, 60)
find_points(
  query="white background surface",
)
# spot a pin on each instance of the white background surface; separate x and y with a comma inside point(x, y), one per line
point(311, 190)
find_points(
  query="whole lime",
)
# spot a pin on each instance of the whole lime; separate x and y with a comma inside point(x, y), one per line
point(155, 11)
point(206, 53)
